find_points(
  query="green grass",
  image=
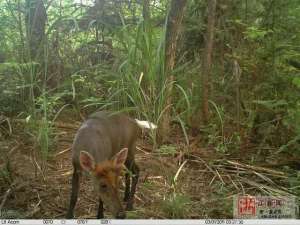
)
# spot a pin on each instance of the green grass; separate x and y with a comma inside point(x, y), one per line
point(176, 206)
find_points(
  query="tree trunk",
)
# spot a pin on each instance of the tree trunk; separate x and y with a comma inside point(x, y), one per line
point(36, 18)
point(21, 33)
point(146, 10)
point(207, 60)
point(147, 31)
point(173, 24)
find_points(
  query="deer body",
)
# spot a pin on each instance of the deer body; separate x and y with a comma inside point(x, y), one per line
point(103, 144)
point(103, 135)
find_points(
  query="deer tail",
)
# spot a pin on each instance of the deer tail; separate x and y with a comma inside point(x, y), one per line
point(145, 124)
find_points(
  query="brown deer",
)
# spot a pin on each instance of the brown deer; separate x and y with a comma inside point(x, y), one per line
point(103, 144)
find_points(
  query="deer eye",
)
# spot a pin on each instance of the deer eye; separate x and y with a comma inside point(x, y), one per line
point(103, 186)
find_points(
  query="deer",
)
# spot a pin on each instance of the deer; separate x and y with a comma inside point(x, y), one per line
point(103, 145)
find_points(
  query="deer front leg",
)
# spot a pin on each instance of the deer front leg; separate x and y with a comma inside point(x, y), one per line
point(74, 193)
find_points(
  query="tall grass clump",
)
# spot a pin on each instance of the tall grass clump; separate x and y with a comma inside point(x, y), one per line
point(142, 78)
point(39, 124)
point(141, 71)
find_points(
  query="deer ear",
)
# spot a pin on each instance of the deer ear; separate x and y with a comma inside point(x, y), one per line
point(87, 161)
point(120, 158)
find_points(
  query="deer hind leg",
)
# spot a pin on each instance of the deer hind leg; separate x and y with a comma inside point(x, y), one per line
point(134, 169)
point(128, 174)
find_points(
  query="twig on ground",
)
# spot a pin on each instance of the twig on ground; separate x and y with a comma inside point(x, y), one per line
point(7, 193)
point(36, 209)
point(62, 152)
point(140, 149)
point(212, 180)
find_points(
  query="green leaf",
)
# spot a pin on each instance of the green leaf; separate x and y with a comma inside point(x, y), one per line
point(296, 81)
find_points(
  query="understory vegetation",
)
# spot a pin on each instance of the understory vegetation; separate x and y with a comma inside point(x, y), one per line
point(221, 81)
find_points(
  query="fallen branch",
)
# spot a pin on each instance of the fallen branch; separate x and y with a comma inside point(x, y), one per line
point(74, 125)
point(258, 168)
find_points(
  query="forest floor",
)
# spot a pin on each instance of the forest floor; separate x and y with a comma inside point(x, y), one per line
point(181, 182)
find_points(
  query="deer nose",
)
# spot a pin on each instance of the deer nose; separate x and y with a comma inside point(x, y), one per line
point(121, 215)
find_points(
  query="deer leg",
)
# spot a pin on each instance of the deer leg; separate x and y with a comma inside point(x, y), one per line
point(74, 194)
point(100, 214)
point(127, 186)
point(135, 176)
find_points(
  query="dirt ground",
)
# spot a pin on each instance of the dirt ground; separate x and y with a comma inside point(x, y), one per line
point(170, 186)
